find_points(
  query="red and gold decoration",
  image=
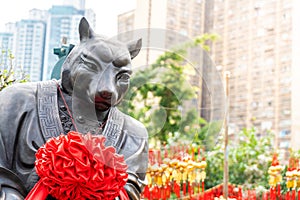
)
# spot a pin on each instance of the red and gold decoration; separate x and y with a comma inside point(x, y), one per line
point(234, 193)
point(293, 178)
point(76, 166)
point(275, 177)
point(179, 173)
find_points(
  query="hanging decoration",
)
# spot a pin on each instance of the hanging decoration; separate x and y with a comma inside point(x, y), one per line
point(178, 173)
point(275, 177)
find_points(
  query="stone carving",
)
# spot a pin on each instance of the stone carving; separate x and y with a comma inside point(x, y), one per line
point(47, 110)
point(95, 78)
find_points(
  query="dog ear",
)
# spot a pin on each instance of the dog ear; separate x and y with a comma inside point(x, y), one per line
point(134, 47)
point(85, 31)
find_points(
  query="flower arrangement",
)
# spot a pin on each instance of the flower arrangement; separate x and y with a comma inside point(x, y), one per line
point(77, 166)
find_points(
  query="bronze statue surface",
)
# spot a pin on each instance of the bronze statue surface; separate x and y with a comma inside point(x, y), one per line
point(95, 78)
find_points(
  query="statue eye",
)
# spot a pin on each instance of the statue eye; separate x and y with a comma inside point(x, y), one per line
point(123, 77)
point(83, 57)
point(90, 66)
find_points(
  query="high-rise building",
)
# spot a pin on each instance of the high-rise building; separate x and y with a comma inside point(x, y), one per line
point(182, 18)
point(10, 27)
point(6, 46)
point(163, 25)
point(32, 40)
point(259, 43)
point(62, 23)
point(126, 25)
point(259, 46)
point(91, 17)
point(77, 4)
point(38, 14)
point(29, 42)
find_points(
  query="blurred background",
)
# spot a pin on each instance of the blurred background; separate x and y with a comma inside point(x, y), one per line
point(256, 41)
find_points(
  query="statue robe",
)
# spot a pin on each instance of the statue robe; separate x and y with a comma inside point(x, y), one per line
point(30, 116)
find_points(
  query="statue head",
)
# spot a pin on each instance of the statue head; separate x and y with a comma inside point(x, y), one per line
point(98, 70)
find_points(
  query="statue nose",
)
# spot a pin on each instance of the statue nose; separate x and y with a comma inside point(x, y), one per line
point(106, 94)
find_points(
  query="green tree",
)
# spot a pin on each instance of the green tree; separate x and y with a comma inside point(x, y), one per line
point(158, 94)
point(8, 73)
point(249, 159)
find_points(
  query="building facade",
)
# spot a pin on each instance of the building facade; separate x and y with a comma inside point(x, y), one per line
point(259, 45)
point(32, 40)
point(178, 21)
point(126, 25)
point(6, 46)
point(62, 23)
point(259, 41)
point(29, 42)
point(164, 25)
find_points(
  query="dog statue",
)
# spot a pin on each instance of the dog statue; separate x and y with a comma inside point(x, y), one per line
point(95, 78)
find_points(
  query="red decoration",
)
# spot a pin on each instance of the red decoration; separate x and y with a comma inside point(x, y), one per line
point(166, 152)
point(151, 157)
point(240, 194)
point(146, 193)
point(190, 189)
point(168, 191)
point(177, 189)
point(278, 190)
point(265, 196)
point(293, 194)
point(76, 166)
point(156, 192)
point(159, 160)
point(193, 153)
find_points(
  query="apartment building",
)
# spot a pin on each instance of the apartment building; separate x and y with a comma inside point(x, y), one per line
point(259, 46)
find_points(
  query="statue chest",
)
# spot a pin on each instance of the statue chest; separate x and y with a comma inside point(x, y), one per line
point(55, 116)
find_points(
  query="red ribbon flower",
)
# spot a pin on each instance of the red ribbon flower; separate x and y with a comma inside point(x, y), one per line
point(77, 166)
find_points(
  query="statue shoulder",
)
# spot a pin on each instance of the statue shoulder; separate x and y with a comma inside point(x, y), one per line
point(15, 101)
point(135, 126)
point(19, 92)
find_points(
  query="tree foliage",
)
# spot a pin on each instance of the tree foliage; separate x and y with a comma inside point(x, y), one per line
point(8, 73)
point(159, 92)
point(249, 159)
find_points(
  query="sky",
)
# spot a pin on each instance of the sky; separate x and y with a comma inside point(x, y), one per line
point(106, 12)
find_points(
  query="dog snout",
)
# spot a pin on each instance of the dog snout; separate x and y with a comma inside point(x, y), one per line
point(106, 94)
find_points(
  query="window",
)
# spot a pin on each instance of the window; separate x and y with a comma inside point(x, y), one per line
point(266, 125)
point(284, 144)
point(284, 133)
point(285, 123)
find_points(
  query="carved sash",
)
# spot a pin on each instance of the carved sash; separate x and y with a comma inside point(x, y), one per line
point(49, 120)
point(114, 128)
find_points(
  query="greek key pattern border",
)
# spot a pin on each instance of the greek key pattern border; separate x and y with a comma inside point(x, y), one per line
point(48, 110)
point(113, 128)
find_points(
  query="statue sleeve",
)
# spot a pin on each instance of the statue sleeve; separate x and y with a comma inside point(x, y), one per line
point(10, 189)
point(135, 151)
point(11, 186)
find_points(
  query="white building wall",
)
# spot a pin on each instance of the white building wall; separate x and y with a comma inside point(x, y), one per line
point(295, 137)
point(6, 46)
point(29, 47)
point(63, 25)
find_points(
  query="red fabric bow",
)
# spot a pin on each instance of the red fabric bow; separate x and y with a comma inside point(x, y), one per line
point(80, 167)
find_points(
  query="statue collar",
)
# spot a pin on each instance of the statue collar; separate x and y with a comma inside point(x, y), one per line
point(50, 123)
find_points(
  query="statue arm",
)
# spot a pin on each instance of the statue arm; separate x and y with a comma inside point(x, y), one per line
point(11, 186)
point(134, 186)
point(137, 161)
